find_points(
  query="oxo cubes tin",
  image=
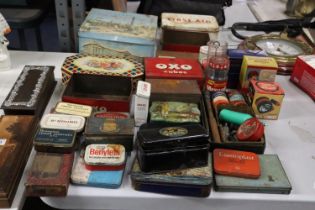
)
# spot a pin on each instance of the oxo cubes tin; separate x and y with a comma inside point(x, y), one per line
point(105, 157)
point(174, 68)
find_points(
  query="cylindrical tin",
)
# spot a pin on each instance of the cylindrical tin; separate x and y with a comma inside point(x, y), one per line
point(236, 98)
point(219, 98)
point(251, 130)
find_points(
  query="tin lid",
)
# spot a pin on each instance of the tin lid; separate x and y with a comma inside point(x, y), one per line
point(105, 154)
point(267, 87)
point(54, 137)
point(251, 130)
point(189, 22)
point(111, 115)
point(63, 121)
point(119, 27)
point(73, 109)
point(236, 163)
point(143, 89)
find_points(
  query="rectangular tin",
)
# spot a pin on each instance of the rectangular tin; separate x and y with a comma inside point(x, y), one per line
point(273, 179)
point(49, 175)
point(141, 103)
point(63, 121)
point(31, 91)
point(106, 179)
point(169, 147)
point(54, 140)
point(111, 92)
point(174, 90)
point(188, 182)
point(16, 133)
point(110, 131)
point(174, 68)
point(187, 32)
point(112, 32)
point(108, 65)
point(73, 109)
point(219, 140)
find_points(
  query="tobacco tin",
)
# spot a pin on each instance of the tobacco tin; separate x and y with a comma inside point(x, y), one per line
point(73, 109)
point(105, 154)
point(54, 140)
point(63, 121)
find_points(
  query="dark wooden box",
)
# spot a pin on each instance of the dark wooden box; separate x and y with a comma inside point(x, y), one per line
point(31, 91)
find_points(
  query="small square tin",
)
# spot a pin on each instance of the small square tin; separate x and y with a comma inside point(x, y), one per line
point(63, 121)
point(105, 157)
point(31, 91)
point(106, 179)
point(49, 175)
point(54, 140)
point(169, 147)
point(273, 179)
point(110, 131)
point(174, 68)
point(73, 109)
point(111, 92)
point(188, 182)
point(113, 32)
point(174, 90)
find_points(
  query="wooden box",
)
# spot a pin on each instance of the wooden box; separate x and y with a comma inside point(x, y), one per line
point(31, 91)
point(112, 32)
point(16, 133)
point(110, 92)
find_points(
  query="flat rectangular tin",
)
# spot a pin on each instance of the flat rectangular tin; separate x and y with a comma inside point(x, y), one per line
point(73, 109)
point(63, 121)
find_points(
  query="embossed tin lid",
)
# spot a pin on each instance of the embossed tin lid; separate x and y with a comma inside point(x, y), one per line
point(63, 121)
point(105, 154)
point(73, 109)
point(54, 137)
point(189, 22)
point(251, 130)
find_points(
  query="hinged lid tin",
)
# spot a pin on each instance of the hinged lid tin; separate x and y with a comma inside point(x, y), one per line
point(73, 109)
point(105, 154)
point(63, 121)
point(189, 22)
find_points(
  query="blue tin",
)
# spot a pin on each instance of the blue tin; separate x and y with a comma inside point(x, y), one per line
point(110, 32)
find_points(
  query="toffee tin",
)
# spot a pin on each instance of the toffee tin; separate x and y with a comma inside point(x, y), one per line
point(63, 121)
point(54, 140)
point(105, 157)
point(73, 109)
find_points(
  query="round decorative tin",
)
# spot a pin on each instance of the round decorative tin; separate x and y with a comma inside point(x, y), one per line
point(173, 131)
point(251, 130)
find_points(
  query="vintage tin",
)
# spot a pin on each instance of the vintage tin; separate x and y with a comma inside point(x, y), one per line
point(73, 109)
point(224, 134)
point(54, 140)
point(111, 115)
point(187, 32)
point(49, 175)
point(141, 103)
point(110, 131)
point(106, 179)
point(188, 182)
point(174, 90)
point(174, 68)
point(251, 130)
point(110, 92)
point(112, 32)
point(169, 147)
point(16, 133)
point(236, 163)
point(273, 179)
point(109, 65)
point(31, 91)
point(174, 112)
point(63, 121)
point(110, 157)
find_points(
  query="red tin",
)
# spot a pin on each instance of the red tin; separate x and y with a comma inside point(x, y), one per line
point(174, 68)
point(251, 130)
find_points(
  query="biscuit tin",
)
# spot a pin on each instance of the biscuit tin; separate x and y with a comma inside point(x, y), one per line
point(63, 121)
point(112, 32)
point(31, 91)
point(49, 175)
point(73, 109)
point(54, 140)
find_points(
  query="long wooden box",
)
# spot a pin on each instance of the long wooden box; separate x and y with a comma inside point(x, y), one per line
point(16, 134)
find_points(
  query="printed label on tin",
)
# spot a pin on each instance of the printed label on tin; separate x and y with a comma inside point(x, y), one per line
point(112, 115)
point(74, 109)
point(62, 121)
point(173, 131)
point(2, 141)
point(105, 154)
point(53, 136)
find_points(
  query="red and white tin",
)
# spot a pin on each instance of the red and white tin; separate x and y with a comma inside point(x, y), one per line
point(174, 68)
point(105, 157)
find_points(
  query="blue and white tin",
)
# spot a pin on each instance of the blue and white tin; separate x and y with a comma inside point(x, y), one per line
point(110, 32)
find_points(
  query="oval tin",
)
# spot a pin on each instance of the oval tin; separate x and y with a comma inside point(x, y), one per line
point(104, 155)
point(73, 109)
point(63, 121)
